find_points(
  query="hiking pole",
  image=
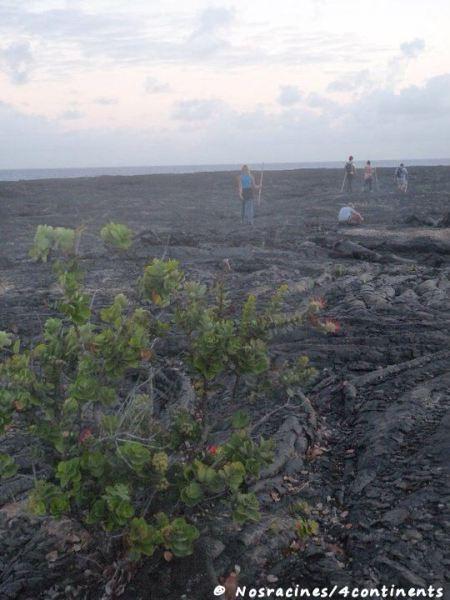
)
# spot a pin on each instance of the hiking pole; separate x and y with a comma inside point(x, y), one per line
point(260, 184)
point(343, 183)
point(376, 180)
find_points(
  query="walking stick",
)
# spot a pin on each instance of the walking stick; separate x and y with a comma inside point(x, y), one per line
point(343, 183)
point(376, 180)
point(260, 185)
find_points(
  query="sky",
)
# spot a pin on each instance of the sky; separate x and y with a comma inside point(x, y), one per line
point(90, 83)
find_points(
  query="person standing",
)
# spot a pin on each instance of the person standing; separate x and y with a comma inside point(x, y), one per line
point(401, 178)
point(350, 172)
point(369, 172)
point(247, 188)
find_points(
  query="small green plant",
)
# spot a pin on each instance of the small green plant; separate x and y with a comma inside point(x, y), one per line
point(5, 340)
point(8, 468)
point(297, 373)
point(338, 271)
point(300, 508)
point(53, 239)
point(306, 528)
point(160, 281)
point(117, 235)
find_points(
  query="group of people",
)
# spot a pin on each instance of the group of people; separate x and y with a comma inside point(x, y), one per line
point(248, 188)
point(370, 176)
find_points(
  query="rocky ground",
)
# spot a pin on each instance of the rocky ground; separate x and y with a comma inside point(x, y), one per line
point(370, 450)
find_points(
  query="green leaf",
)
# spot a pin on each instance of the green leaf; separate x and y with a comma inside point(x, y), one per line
point(246, 508)
point(143, 538)
point(95, 463)
point(192, 494)
point(135, 454)
point(179, 537)
point(68, 472)
point(8, 467)
point(114, 313)
point(59, 505)
point(5, 340)
point(119, 505)
point(70, 406)
point(233, 475)
point(97, 512)
point(240, 420)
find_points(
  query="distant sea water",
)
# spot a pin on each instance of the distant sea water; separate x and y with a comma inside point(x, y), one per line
point(28, 174)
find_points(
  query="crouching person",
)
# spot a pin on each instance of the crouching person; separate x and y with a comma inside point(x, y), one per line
point(349, 216)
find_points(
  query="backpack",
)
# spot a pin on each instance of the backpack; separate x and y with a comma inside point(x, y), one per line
point(349, 168)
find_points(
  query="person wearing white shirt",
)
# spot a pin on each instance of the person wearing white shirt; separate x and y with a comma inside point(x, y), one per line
point(349, 216)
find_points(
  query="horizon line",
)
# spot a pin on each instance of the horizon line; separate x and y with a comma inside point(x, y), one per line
point(218, 164)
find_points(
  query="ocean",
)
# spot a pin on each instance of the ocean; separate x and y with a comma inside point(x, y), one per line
point(28, 174)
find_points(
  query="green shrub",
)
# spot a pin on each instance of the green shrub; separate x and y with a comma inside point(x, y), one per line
point(160, 281)
point(112, 464)
point(305, 528)
point(117, 235)
point(48, 239)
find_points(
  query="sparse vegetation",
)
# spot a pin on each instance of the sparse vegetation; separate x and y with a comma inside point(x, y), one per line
point(50, 239)
point(117, 236)
point(114, 465)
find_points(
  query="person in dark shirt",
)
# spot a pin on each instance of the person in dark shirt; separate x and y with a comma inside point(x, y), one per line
point(350, 172)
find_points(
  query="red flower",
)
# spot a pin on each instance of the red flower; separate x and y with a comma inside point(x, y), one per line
point(84, 435)
point(213, 450)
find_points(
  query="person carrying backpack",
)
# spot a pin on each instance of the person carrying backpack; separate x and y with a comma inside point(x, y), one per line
point(401, 178)
point(350, 172)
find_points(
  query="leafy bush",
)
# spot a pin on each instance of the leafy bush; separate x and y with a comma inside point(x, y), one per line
point(117, 236)
point(48, 239)
point(160, 281)
point(112, 464)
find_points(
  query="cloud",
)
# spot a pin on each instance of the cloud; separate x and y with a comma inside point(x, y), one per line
point(318, 6)
point(289, 95)
point(72, 115)
point(196, 109)
point(122, 37)
point(17, 61)
point(206, 39)
point(414, 122)
point(413, 48)
point(106, 101)
point(430, 101)
point(409, 51)
point(78, 39)
point(69, 24)
point(214, 19)
point(154, 86)
point(351, 82)
point(31, 141)
point(323, 103)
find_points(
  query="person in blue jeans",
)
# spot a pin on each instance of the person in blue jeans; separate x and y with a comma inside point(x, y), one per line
point(247, 189)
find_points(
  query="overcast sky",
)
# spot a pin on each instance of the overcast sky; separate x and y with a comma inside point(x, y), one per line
point(120, 82)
